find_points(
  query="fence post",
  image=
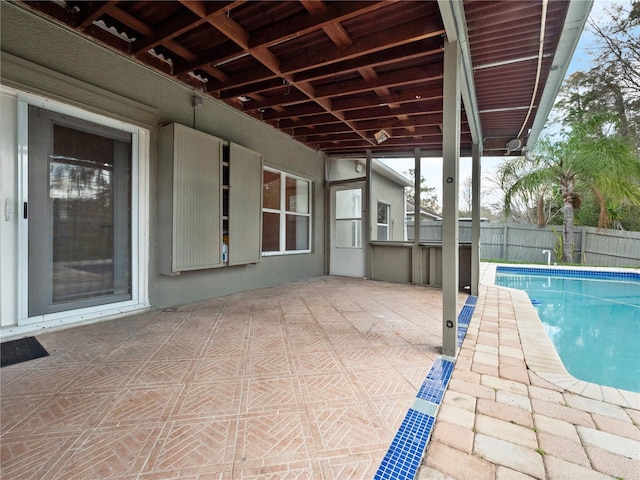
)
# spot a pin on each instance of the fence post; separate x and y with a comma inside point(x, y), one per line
point(505, 232)
point(583, 246)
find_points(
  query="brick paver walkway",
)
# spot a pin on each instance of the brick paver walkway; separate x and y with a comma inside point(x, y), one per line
point(512, 412)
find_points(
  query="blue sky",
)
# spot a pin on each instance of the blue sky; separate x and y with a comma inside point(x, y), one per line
point(599, 14)
point(432, 168)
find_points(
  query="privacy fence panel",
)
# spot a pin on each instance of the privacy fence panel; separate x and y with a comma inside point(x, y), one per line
point(611, 248)
point(528, 243)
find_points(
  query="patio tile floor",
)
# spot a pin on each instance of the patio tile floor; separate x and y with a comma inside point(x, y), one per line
point(307, 380)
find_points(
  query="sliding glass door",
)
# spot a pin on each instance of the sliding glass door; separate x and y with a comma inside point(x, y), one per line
point(79, 213)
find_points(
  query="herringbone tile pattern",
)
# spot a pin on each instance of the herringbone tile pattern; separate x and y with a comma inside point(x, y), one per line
point(308, 380)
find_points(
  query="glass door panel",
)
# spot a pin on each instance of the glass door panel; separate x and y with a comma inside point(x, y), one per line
point(79, 214)
point(349, 203)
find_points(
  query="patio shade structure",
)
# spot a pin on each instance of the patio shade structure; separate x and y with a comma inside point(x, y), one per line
point(332, 75)
point(356, 78)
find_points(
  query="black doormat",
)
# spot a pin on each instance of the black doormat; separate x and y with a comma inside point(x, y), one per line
point(22, 350)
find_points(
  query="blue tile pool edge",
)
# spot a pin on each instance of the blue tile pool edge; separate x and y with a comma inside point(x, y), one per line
point(570, 273)
point(403, 458)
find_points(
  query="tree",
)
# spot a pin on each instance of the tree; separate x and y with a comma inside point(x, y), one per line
point(585, 157)
point(466, 191)
point(428, 198)
point(536, 204)
point(598, 108)
point(612, 85)
point(618, 59)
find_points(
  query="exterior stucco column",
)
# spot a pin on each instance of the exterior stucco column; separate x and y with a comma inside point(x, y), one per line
point(476, 157)
point(366, 217)
point(450, 189)
point(416, 270)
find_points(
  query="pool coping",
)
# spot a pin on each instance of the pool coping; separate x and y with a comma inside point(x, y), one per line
point(541, 356)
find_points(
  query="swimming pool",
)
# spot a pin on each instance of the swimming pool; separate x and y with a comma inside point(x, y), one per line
point(592, 318)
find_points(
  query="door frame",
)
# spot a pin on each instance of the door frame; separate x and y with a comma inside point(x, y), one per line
point(139, 217)
point(333, 188)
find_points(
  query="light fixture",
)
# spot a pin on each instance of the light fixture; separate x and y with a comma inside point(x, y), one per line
point(381, 136)
point(513, 145)
point(196, 102)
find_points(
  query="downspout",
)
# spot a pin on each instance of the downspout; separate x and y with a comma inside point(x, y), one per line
point(543, 27)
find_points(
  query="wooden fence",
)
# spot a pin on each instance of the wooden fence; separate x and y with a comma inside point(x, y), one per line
point(526, 243)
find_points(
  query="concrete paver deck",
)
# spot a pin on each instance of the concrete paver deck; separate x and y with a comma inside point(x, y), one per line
point(512, 411)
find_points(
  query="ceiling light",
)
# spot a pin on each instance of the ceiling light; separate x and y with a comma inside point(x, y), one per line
point(513, 145)
point(381, 136)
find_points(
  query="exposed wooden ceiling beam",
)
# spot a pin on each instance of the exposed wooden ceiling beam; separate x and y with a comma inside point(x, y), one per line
point(374, 42)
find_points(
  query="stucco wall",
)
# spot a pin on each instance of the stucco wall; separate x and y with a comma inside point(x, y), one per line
point(383, 190)
point(49, 60)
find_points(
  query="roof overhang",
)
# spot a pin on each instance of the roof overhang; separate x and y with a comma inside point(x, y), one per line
point(574, 24)
point(332, 75)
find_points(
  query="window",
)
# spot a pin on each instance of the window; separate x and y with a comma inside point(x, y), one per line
point(286, 213)
point(383, 221)
point(349, 218)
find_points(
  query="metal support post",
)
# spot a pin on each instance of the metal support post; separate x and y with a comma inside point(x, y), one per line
point(450, 190)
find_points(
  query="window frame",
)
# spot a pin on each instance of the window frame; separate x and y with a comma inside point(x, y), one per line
point(387, 225)
point(283, 213)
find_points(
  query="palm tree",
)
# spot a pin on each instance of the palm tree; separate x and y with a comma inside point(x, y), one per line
point(606, 164)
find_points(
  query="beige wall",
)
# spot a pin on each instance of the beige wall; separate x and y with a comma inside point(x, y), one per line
point(385, 191)
point(49, 60)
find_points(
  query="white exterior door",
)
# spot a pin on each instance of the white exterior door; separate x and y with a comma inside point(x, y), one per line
point(347, 255)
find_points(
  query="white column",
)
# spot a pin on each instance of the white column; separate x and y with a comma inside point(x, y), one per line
point(416, 257)
point(476, 157)
point(450, 189)
point(366, 217)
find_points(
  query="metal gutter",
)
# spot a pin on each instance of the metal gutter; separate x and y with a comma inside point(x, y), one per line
point(575, 21)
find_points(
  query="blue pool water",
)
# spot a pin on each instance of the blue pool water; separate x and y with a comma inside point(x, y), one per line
point(592, 318)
